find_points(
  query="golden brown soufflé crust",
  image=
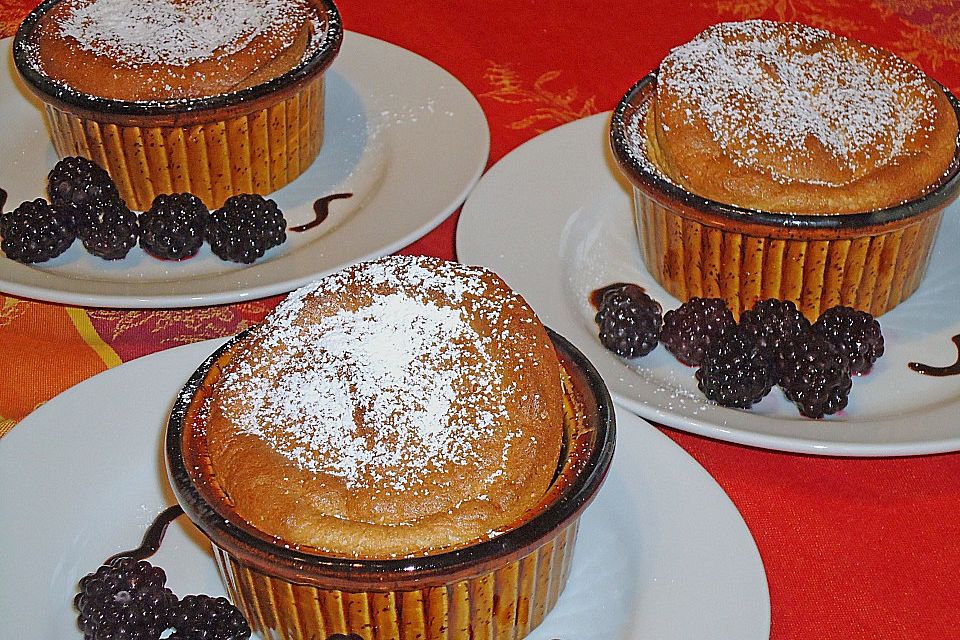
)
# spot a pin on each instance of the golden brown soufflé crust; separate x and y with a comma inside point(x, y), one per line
point(785, 117)
point(160, 50)
point(396, 408)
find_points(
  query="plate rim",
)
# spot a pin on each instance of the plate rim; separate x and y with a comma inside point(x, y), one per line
point(39, 284)
point(470, 249)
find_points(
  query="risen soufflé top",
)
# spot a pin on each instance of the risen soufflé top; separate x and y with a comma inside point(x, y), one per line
point(396, 408)
point(785, 117)
point(161, 50)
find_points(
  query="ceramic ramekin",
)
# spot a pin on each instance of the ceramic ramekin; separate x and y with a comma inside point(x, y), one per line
point(496, 588)
point(251, 141)
point(694, 246)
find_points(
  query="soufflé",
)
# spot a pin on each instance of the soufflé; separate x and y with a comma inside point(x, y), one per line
point(201, 96)
point(399, 450)
point(779, 160)
point(400, 407)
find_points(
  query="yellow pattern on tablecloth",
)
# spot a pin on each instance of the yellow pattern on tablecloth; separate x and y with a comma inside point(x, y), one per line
point(85, 328)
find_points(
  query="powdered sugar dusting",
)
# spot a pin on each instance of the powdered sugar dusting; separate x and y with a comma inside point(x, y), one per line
point(175, 32)
point(635, 127)
point(760, 85)
point(378, 393)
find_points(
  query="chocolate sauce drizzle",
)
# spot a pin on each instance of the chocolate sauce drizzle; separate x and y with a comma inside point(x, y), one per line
point(597, 295)
point(939, 372)
point(153, 536)
point(321, 209)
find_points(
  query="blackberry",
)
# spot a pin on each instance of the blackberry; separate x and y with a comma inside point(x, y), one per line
point(172, 228)
point(245, 227)
point(205, 618)
point(629, 321)
point(735, 370)
point(856, 332)
point(77, 218)
point(35, 232)
point(111, 233)
point(814, 374)
point(80, 183)
point(772, 321)
point(124, 599)
point(693, 326)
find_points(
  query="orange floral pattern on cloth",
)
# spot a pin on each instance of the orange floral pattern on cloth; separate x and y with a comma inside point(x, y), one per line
point(134, 333)
point(549, 108)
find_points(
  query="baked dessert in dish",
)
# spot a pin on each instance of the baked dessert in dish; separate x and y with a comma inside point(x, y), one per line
point(776, 160)
point(400, 445)
point(405, 406)
point(178, 96)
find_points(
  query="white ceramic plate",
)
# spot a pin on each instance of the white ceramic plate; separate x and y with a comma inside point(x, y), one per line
point(663, 553)
point(554, 219)
point(402, 135)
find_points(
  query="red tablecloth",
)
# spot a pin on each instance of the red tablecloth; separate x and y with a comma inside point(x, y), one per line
point(853, 548)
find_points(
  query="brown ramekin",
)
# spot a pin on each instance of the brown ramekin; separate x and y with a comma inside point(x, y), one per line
point(496, 588)
point(696, 247)
point(251, 141)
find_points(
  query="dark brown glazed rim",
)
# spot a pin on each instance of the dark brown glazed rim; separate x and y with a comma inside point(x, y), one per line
point(652, 182)
point(63, 95)
point(260, 552)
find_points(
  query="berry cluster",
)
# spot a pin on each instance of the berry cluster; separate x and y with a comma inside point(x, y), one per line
point(127, 598)
point(85, 204)
point(773, 345)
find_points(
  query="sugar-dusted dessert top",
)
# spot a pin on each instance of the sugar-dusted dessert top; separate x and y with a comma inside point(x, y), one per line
point(780, 116)
point(407, 392)
point(175, 32)
point(763, 85)
point(170, 50)
point(398, 366)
